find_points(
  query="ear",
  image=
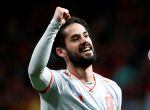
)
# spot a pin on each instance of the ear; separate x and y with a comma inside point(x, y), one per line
point(60, 52)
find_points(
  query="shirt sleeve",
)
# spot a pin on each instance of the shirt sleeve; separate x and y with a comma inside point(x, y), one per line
point(118, 94)
point(119, 98)
point(40, 76)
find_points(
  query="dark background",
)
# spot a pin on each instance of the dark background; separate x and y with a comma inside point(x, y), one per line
point(121, 31)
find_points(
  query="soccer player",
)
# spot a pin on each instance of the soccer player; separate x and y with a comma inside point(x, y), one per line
point(77, 87)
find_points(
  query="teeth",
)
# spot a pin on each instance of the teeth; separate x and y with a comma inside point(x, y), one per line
point(86, 49)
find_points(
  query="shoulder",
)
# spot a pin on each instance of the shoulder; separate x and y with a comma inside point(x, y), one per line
point(106, 80)
point(58, 73)
point(112, 87)
point(109, 83)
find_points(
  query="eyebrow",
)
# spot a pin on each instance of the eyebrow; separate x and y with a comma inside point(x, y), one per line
point(75, 35)
point(85, 32)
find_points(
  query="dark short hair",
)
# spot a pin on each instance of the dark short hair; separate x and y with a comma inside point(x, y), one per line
point(59, 40)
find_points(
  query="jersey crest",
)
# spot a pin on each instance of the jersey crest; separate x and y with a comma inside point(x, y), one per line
point(110, 105)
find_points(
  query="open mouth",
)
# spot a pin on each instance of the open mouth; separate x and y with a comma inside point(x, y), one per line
point(85, 49)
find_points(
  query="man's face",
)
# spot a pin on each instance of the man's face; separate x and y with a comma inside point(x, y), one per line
point(79, 47)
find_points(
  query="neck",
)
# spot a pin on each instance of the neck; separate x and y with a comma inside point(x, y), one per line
point(84, 74)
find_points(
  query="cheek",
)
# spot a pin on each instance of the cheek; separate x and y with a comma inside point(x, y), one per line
point(73, 48)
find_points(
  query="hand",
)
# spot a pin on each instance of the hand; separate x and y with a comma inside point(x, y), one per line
point(61, 15)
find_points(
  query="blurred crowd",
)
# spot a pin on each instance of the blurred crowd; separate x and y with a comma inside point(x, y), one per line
point(121, 36)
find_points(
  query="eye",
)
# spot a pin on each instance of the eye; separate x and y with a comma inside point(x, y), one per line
point(75, 38)
point(86, 35)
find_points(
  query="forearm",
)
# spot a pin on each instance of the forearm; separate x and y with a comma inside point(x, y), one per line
point(43, 49)
point(39, 74)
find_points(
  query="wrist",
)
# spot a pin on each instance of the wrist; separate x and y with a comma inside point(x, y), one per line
point(54, 21)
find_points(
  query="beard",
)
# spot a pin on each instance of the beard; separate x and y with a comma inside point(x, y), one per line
point(79, 60)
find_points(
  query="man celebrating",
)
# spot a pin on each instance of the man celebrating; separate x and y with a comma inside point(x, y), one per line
point(77, 87)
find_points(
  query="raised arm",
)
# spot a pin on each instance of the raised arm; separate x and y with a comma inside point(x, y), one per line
point(39, 74)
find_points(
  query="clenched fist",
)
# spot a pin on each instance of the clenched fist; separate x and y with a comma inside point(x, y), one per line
point(61, 15)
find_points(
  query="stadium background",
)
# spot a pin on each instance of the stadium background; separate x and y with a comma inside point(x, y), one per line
point(122, 40)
